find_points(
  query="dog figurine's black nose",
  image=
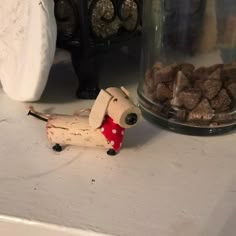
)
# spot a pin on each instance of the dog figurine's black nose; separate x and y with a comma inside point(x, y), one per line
point(131, 119)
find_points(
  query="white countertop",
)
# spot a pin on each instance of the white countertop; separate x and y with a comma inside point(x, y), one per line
point(161, 183)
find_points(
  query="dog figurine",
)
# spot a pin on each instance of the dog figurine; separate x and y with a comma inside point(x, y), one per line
point(104, 127)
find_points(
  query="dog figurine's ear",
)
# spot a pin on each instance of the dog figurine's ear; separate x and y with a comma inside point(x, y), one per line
point(99, 109)
point(125, 91)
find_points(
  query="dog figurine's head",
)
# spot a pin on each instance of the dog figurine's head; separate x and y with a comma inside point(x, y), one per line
point(117, 104)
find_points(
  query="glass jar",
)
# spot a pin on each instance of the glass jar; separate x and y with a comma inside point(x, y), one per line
point(189, 65)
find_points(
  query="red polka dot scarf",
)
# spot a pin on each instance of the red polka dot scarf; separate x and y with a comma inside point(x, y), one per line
point(113, 133)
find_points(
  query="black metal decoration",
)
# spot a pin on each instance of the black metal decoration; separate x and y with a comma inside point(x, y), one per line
point(87, 28)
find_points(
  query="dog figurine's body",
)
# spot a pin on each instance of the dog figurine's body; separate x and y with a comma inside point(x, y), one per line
point(74, 130)
point(112, 112)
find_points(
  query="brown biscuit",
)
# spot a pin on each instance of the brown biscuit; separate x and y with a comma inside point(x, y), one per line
point(232, 89)
point(221, 102)
point(163, 92)
point(203, 112)
point(165, 74)
point(189, 98)
point(210, 88)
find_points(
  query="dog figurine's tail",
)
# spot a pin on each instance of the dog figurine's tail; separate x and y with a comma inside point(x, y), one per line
point(37, 115)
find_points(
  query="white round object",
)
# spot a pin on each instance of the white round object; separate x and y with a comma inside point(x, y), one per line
point(27, 46)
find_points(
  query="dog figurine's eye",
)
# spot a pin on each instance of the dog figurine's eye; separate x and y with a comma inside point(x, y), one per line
point(131, 119)
point(115, 100)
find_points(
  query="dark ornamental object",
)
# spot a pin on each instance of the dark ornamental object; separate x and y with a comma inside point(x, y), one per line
point(87, 28)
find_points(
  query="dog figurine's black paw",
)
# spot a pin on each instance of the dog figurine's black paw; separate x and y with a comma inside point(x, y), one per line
point(111, 152)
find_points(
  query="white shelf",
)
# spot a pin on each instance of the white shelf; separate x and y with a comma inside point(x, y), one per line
point(161, 183)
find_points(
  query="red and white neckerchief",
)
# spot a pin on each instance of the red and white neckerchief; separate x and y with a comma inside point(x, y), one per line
point(113, 133)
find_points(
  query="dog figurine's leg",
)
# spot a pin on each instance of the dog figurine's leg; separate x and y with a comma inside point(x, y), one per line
point(57, 148)
point(111, 152)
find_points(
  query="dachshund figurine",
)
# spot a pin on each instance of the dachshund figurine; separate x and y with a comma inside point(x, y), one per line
point(112, 112)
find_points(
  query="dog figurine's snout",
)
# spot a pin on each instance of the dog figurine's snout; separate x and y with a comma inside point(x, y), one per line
point(131, 119)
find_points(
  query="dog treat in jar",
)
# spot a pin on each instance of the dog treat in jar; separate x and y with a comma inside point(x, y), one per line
point(189, 65)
